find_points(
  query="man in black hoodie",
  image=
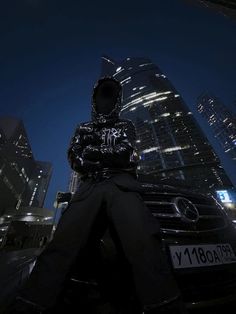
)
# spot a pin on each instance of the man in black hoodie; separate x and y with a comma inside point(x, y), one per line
point(102, 152)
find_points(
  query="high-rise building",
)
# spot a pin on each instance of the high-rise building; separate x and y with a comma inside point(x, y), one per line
point(23, 180)
point(40, 181)
point(225, 7)
point(171, 145)
point(221, 120)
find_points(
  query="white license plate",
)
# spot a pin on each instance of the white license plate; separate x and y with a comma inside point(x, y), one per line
point(185, 256)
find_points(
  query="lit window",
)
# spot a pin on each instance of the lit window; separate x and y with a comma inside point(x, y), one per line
point(142, 65)
point(172, 149)
point(125, 80)
point(165, 114)
point(148, 150)
point(135, 94)
point(147, 103)
point(118, 71)
point(178, 114)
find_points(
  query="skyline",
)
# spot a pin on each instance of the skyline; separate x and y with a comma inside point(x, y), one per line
point(50, 63)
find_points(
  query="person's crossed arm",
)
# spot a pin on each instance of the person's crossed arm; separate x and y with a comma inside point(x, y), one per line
point(75, 156)
point(118, 155)
point(87, 152)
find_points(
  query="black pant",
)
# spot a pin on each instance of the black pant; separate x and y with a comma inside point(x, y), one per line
point(135, 227)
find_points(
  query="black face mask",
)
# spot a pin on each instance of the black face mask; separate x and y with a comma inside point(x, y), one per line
point(105, 97)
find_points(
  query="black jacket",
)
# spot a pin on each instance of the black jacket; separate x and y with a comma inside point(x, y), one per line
point(105, 143)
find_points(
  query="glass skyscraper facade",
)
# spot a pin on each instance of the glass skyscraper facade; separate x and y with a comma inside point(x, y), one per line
point(23, 180)
point(221, 120)
point(171, 146)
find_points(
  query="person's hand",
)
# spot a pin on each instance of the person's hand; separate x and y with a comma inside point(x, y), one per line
point(91, 165)
point(92, 153)
point(92, 139)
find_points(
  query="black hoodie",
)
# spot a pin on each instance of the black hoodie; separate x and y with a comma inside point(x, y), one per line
point(107, 142)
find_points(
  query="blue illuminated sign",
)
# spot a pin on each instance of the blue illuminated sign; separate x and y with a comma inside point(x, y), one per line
point(224, 196)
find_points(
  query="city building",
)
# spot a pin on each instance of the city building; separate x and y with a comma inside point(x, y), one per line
point(221, 121)
point(170, 143)
point(23, 180)
point(225, 7)
point(73, 182)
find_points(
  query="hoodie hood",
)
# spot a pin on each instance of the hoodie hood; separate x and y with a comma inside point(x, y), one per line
point(106, 100)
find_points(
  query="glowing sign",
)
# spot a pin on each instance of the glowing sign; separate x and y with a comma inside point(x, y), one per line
point(224, 196)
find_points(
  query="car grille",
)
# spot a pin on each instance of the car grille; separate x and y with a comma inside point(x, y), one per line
point(163, 207)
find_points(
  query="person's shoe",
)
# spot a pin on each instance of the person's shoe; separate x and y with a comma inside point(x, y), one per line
point(174, 307)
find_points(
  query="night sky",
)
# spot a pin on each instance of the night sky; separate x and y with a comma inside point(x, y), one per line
point(50, 58)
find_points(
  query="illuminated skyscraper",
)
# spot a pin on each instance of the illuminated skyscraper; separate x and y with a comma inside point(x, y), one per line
point(41, 178)
point(23, 180)
point(73, 183)
point(221, 121)
point(171, 145)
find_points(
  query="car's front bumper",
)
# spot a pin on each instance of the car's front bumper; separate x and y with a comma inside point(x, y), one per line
point(208, 286)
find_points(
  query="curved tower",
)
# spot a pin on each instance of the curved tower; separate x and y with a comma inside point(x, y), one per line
point(170, 143)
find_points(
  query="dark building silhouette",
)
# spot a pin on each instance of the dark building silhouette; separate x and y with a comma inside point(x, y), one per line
point(221, 121)
point(23, 180)
point(170, 143)
point(225, 7)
